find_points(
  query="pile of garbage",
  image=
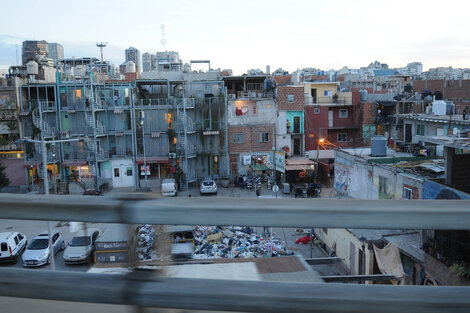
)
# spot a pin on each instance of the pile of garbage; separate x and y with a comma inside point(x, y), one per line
point(234, 242)
point(145, 243)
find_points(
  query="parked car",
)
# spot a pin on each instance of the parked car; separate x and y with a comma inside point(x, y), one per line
point(169, 187)
point(82, 247)
point(37, 252)
point(208, 186)
point(11, 245)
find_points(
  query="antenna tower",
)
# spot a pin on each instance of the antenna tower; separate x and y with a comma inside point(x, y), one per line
point(101, 45)
point(163, 40)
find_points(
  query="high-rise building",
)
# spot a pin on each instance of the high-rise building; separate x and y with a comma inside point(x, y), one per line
point(31, 48)
point(148, 62)
point(132, 54)
point(56, 51)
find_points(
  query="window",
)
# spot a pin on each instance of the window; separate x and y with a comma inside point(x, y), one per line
point(129, 171)
point(327, 93)
point(383, 181)
point(253, 86)
point(316, 111)
point(420, 129)
point(238, 138)
point(116, 172)
point(245, 108)
point(55, 237)
point(16, 240)
point(290, 98)
point(343, 113)
point(20, 237)
point(342, 137)
point(407, 193)
point(263, 137)
point(77, 94)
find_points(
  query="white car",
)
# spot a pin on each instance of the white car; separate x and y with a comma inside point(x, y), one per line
point(208, 186)
point(37, 252)
point(169, 187)
point(11, 245)
point(81, 248)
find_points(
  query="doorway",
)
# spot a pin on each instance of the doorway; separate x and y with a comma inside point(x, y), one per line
point(314, 95)
point(407, 132)
point(296, 124)
point(297, 146)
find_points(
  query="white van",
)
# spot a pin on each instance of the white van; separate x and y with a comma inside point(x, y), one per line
point(11, 245)
point(169, 187)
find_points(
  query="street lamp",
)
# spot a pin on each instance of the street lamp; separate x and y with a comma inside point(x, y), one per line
point(141, 122)
point(320, 141)
point(44, 177)
point(363, 243)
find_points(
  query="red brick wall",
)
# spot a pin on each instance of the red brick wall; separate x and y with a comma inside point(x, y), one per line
point(452, 88)
point(250, 138)
point(316, 126)
point(14, 169)
point(299, 98)
point(352, 138)
point(283, 79)
point(313, 122)
point(415, 191)
point(343, 122)
point(368, 113)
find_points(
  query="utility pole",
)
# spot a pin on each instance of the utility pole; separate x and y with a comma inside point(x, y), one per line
point(141, 120)
point(43, 142)
point(45, 181)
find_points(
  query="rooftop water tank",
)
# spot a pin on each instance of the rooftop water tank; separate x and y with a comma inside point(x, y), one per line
point(268, 84)
point(130, 67)
point(439, 107)
point(363, 94)
point(32, 68)
point(295, 77)
point(378, 146)
point(308, 98)
point(449, 108)
point(216, 90)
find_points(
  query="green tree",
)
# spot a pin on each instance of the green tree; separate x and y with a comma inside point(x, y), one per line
point(4, 181)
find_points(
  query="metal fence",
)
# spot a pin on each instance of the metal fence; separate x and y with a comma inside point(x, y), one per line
point(140, 289)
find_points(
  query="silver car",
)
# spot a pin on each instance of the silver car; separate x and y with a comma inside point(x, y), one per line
point(81, 248)
point(37, 252)
point(208, 186)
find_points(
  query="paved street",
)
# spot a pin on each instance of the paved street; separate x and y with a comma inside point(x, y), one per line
point(289, 235)
point(32, 228)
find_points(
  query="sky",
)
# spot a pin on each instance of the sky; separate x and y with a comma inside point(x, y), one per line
point(242, 35)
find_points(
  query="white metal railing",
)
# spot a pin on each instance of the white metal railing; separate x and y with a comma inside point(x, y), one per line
point(48, 131)
point(223, 295)
point(47, 105)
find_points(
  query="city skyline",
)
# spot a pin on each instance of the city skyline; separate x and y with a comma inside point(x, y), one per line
point(250, 35)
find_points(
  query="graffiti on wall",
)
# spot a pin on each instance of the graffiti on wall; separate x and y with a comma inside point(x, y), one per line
point(342, 179)
point(432, 190)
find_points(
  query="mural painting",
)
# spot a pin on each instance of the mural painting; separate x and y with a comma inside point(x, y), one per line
point(432, 190)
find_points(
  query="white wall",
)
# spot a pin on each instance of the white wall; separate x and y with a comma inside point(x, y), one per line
point(123, 180)
point(266, 114)
point(354, 177)
point(342, 239)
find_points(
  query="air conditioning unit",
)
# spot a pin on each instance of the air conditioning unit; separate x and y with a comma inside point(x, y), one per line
point(172, 155)
point(65, 134)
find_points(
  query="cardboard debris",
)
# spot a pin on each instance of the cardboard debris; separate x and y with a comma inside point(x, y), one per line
point(234, 242)
point(215, 237)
